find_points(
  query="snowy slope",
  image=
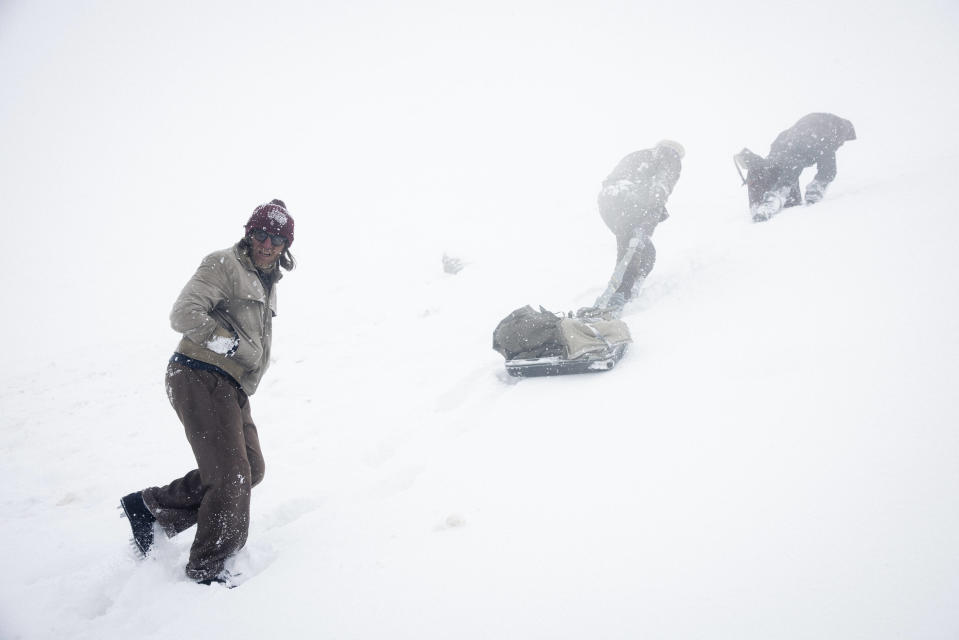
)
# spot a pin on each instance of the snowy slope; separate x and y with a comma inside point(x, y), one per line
point(774, 458)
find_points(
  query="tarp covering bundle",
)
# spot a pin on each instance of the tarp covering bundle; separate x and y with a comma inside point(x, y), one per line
point(546, 343)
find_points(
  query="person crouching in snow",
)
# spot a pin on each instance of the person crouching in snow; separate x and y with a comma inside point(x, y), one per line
point(225, 313)
point(632, 202)
point(773, 181)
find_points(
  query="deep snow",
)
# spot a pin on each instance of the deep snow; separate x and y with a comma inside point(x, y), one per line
point(774, 458)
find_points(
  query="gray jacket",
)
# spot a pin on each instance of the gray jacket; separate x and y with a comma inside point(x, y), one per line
point(225, 298)
point(634, 194)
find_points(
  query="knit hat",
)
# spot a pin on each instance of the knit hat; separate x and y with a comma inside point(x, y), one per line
point(675, 146)
point(273, 218)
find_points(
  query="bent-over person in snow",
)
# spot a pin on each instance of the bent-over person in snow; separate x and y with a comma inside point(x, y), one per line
point(773, 181)
point(632, 203)
point(225, 315)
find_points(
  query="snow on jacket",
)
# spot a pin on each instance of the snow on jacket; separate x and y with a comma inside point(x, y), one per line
point(634, 194)
point(226, 298)
point(645, 177)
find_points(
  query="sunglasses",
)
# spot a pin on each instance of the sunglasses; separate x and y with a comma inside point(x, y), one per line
point(261, 236)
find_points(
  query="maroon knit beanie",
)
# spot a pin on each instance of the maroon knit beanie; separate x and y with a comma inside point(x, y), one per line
point(272, 218)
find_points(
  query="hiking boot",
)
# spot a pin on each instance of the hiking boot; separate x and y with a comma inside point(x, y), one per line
point(771, 205)
point(141, 521)
point(815, 191)
point(224, 578)
point(756, 214)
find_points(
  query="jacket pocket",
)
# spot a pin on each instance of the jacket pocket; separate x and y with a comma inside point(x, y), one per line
point(248, 353)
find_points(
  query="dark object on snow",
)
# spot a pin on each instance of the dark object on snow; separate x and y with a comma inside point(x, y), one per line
point(556, 366)
point(141, 521)
point(452, 265)
point(527, 333)
point(224, 578)
point(538, 343)
point(773, 181)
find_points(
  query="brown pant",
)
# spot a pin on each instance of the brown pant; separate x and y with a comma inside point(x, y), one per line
point(216, 495)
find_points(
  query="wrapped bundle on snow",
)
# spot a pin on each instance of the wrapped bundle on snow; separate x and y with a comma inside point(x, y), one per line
point(543, 343)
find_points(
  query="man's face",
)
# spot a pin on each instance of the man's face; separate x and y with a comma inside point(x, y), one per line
point(264, 248)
